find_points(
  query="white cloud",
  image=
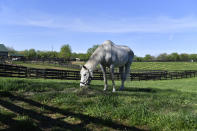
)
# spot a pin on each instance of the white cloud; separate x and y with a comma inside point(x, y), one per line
point(158, 24)
point(140, 25)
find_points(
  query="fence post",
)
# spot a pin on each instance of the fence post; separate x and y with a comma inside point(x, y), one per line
point(130, 75)
point(26, 71)
point(44, 73)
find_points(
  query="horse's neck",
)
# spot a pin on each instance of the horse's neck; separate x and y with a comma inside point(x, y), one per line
point(94, 60)
point(91, 64)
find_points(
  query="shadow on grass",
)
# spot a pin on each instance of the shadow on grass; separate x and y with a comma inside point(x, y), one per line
point(132, 91)
point(137, 89)
point(13, 125)
point(127, 89)
point(45, 122)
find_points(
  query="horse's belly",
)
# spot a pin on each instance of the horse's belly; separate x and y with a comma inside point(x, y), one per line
point(107, 63)
point(119, 64)
point(114, 61)
point(119, 61)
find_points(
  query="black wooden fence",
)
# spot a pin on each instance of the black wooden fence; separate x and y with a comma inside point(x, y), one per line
point(24, 72)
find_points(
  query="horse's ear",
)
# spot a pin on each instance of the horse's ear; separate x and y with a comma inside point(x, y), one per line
point(84, 67)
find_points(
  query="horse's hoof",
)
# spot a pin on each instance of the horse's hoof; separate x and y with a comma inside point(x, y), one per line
point(114, 90)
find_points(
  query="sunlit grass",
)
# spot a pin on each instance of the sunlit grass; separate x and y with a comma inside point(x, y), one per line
point(43, 65)
point(164, 66)
point(134, 66)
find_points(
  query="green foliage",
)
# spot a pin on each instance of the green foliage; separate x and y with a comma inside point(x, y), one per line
point(65, 52)
point(11, 50)
point(81, 56)
point(32, 53)
point(162, 57)
point(168, 57)
point(193, 57)
point(47, 54)
point(184, 57)
point(174, 57)
point(91, 50)
point(148, 57)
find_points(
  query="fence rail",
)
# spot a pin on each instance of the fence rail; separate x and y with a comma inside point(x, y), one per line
point(25, 72)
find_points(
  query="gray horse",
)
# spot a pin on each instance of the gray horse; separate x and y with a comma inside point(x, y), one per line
point(108, 55)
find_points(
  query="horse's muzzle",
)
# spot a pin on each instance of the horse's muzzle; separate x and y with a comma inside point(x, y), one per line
point(82, 84)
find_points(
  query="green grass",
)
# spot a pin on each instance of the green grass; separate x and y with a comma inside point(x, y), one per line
point(135, 65)
point(164, 66)
point(42, 65)
point(38, 104)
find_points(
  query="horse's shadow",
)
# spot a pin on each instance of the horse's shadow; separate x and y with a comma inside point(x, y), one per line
point(99, 88)
point(46, 122)
point(129, 91)
point(138, 89)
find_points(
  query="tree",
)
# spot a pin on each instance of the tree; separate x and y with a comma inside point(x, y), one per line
point(162, 57)
point(138, 59)
point(47, 54)
point(193, 57)
point(65, 52)
point(148, 57)
point(29, 54)
point(91, 50)
point(25, 53)
point(174, 57)
point(40, 54)
point(184, 57)
point(32, 54)
point(11, 50)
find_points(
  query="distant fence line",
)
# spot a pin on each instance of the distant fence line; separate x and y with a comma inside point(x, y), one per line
point(62, 60)
point(25, 72)
point(66, 64)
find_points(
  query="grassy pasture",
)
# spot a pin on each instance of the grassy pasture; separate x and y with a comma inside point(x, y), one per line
point(164, 66)
point(42, 65)
point(38, 104)
point(135, 65)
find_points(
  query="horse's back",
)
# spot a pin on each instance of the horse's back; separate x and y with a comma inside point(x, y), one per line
point(110, 46)
point(122, 54)
point(116, 54)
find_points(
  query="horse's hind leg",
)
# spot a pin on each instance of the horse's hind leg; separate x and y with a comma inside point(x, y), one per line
point(122, 76)
point(125, 74)
point(103, 69)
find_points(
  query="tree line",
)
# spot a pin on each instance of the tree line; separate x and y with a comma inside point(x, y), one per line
point(67, 54)
point(164, 57)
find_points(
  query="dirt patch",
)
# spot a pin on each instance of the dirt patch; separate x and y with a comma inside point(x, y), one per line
point(79, 91)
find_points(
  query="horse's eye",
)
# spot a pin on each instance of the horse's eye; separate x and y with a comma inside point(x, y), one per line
point(84, 74)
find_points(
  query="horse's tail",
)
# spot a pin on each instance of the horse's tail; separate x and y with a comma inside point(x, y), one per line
point(128, 65)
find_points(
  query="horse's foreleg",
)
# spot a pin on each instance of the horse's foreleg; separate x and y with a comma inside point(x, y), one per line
point(103, 69)
point(112, 77)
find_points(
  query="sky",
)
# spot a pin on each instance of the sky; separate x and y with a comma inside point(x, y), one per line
point(146, 26)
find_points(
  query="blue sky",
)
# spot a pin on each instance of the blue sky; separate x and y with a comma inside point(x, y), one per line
point(146, 26)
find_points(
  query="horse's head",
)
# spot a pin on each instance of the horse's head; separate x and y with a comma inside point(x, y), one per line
point(86, 76)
